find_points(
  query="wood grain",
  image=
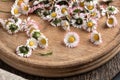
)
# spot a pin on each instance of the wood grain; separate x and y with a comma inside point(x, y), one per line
point(64, 61)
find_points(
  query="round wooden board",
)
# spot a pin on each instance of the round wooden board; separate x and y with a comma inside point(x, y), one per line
point(64, 61)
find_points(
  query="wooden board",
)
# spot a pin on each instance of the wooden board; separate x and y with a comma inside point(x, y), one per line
point(64, 61)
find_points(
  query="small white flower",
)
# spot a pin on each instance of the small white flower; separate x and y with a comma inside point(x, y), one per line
point(56, 22)
point(23, 51)
point(65, 25)
point(90, 25)
point(62, 10)
point(96, 38)
point(25, 8)
point(111, 21)
point(19, 2)
point(71, 39)
point(112, 10)
point(90, 6)
point(43, 41)
point(78, 21)
point(15, 10)
point(95, 14)
point(52, 16)
point(11, 26)
point(32, 43)
point(35, 34)
point(28, 23)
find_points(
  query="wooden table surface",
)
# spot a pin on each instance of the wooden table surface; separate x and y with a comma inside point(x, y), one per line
point(105, 72)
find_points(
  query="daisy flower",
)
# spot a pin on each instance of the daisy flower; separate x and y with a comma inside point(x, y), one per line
point(35, 34)
point(44, 14)
point(112, 10)
point(32, 43)
point(25, 8)
point(56, 22)
point(75, 10)
point(96, 38)
point(95, 14)
point(90, 25)
point(90, 6)
point(19, 2)
point(65, 25)
point(63, 10)
point(15, 11)
point(111, 21)
point(81, 4)
point(52, 16)
point(78, 20)
point(23, 51)
point(28, 23)
point(43, 41)
point(12, 28)
point(71, 39)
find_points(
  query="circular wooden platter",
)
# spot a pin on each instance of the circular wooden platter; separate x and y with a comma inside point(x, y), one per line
point(64, 61)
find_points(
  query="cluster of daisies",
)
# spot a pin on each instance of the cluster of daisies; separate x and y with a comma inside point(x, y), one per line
point(20, 7)
point(81, 14)
point(36, 38)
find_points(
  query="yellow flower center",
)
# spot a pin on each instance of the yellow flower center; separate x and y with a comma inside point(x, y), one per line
point(90, 7)
point(71, 39)
point(26, 8)
point(96, 37)
point(110, 20)
point(81, 4)
point(63, 10)
point(90, 24)
point(31, 43)
point(20, 2)
point(16, 11)
point(43, 41)
point(54, 14)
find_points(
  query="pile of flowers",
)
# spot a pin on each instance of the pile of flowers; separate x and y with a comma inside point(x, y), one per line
point(35, 37)
point(81, 14)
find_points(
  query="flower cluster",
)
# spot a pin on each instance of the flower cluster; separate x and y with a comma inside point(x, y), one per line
point(20, 7)
point(81, 14)
point(36, 38)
